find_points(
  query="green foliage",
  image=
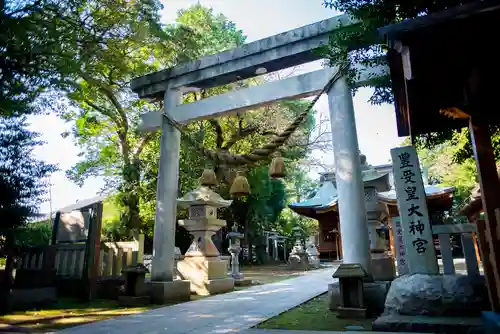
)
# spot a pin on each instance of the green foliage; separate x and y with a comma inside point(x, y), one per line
point(361, 44)
point(105, 114)
point(449, 152)
point(34, 234)
point(265, 202)
point(299, 188)
point(22, 178)
point(32, 35)
point(443, 170)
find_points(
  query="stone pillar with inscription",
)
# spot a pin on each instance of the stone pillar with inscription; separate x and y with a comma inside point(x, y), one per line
point(416, 227)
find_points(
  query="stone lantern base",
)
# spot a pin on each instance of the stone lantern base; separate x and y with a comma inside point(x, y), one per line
point(208, 275)
point(299, 261)
point(383, 267)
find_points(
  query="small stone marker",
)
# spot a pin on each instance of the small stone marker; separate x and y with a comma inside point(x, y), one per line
point(399, 246)
point(351, 277)
point(73, 226)
point(410, 192)
point(134, 291)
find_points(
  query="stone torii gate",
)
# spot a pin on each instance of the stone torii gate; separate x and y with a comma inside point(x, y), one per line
point(281, 51)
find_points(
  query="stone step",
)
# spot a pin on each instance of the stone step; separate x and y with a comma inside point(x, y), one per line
point(423, 324)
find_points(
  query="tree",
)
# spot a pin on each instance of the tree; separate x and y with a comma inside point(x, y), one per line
point(43, 42)
point(102, 108)
point(22, 189)
point(106, 115)
point(360, 43)
point(444, 171)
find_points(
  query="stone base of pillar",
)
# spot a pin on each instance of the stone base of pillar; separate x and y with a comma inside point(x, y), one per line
point(172, 291)
point(208, 275)
point(299, 261)
point(383, 267)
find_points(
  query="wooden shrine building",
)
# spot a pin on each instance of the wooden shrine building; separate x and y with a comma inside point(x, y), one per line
point(323, 207)
point(445, 76)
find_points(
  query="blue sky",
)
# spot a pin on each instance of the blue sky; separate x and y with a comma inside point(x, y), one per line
point(258, 19)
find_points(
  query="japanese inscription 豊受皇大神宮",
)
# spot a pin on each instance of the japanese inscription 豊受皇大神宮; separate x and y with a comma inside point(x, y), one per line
point(410, 193)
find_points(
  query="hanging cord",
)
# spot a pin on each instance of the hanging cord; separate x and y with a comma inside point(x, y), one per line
point(263, 152)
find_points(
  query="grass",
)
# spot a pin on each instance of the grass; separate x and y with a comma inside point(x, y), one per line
point(314, 315)
point(67, 312)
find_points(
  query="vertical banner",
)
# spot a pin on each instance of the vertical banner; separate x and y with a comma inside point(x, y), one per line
point(412, 205)
point(399, 246)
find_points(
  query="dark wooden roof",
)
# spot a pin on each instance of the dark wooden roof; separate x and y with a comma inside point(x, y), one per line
point(349, 270)
point(451, 64)
point(83, 204)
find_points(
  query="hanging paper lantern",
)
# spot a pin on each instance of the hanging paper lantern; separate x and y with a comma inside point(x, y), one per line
point(208, 178)
point(277, 167)
point(240, 186)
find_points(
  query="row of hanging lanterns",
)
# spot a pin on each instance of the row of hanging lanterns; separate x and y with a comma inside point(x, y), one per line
point(240, 186)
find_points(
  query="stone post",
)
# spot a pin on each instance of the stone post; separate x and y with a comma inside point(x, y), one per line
point(351, 201)
point(276, 256)
point(235, 249)
point(284, 250)
point(164, 288)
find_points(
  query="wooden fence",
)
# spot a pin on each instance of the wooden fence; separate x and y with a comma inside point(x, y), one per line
point(469, 246)
point(69, 258)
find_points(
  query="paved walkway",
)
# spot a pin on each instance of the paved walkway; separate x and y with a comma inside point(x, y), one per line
point(281, 331)
point(230, 312)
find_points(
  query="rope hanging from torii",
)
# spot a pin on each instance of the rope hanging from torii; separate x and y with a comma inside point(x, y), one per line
point(240, 184)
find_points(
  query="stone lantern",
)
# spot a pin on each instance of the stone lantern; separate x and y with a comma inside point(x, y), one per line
point(235, 249)
point(298, 257)
point(313, 256)
point(202, 264)
point(374, 182)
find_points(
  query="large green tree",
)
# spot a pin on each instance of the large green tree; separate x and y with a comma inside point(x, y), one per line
point(33, 35)
point(105, 113)
point(22, 188)
point(360, 43)
point(103, 110)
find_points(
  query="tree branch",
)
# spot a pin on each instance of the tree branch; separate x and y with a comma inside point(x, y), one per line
point(102, 111)
point(241, 134)
point(108, 92)
point(149, 136)
point(219, 140)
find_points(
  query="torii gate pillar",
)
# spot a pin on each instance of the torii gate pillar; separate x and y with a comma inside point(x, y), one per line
point(351, 200)
point(164, 287)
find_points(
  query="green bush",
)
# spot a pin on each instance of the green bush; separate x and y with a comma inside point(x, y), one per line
point(34, 234)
